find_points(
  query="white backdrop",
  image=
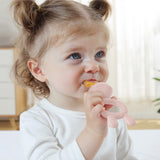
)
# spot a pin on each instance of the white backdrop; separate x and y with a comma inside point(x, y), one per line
point(134, 54)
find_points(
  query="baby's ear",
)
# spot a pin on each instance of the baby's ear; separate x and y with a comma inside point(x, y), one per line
point(102, 7)
point(35, 70)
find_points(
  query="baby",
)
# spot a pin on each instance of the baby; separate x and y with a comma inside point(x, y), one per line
point(62, 44)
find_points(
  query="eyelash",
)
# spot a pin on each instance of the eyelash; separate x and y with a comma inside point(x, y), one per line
point(102, 54)
point(76, 57)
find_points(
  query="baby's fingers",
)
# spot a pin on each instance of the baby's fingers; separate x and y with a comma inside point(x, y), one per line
point(107, 106)
point(92, 99)
point(96, 111)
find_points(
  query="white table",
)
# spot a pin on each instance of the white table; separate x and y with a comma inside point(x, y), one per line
point(146, 142)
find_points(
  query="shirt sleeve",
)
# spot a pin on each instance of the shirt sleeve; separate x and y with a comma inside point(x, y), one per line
point(39, 142)
point(124, 143)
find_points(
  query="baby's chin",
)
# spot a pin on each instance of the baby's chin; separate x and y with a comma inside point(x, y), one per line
point(80, 94)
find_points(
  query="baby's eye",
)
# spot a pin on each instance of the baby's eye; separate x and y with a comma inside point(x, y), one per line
point(75, 56)
point(100, 54)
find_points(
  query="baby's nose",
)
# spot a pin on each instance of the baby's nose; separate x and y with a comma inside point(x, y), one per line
point(91, 67)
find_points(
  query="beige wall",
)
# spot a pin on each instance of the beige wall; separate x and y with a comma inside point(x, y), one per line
point(8, 31)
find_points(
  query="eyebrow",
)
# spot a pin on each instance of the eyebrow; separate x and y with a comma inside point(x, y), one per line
point(72, 49)
point(80, 48)
point(102, 48)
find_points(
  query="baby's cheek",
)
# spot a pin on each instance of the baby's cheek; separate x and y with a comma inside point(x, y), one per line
point(105, 72)
point(106, 77)
point(67, 81)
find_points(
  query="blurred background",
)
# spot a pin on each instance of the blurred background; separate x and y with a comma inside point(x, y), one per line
point(134, 65)
point(135, 55)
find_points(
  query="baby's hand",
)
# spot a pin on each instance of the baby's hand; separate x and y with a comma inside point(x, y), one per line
point(93, 102)
point(107, 106)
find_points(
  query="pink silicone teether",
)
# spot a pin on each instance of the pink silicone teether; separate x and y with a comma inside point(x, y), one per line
point(112, 116)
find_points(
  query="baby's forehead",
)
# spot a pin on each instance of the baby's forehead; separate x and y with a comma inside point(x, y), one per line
point(71, 30)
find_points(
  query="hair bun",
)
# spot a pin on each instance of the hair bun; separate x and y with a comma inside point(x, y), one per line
point(25, 13)
point(101, 6)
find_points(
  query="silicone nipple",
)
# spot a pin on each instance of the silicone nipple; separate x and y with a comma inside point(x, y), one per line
point(89, 84)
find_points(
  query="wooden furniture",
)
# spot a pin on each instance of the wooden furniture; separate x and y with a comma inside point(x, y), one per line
point(12, 97)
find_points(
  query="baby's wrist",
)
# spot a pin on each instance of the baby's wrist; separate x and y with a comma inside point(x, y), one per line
point(93, 140)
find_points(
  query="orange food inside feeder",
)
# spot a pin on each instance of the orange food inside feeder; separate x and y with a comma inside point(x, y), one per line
point(88, 84)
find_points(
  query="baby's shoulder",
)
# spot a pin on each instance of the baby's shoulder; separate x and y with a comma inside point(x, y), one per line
point(34, 110)
point(36, 119)
point(36, 113)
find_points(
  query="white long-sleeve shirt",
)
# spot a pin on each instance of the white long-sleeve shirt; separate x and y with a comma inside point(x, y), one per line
point(49, 133)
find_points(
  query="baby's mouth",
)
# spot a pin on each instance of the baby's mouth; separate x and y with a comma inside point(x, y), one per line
point(89, 83)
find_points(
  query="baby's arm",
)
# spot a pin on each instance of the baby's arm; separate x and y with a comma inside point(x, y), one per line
point(96, 129)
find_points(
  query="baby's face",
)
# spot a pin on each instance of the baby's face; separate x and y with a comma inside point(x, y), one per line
point(68, 65)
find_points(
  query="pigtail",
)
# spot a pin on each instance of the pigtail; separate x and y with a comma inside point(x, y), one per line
point(102, 7)
point(25, 13)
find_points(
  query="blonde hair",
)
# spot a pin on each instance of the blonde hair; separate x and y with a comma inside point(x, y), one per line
point(35, 39)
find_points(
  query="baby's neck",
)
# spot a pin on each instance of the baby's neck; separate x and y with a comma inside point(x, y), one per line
point(69, 103)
